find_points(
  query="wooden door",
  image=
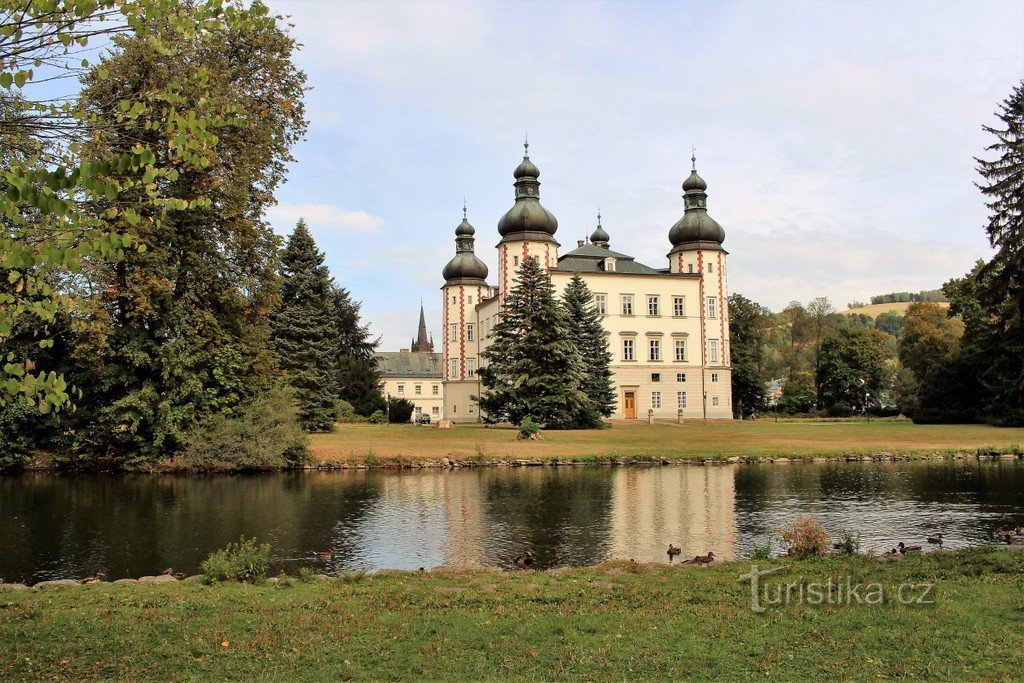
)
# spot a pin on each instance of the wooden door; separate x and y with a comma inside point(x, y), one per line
point(629, 404)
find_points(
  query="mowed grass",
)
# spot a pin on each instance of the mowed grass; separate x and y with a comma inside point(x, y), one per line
point(380, 444)
point(615, 622)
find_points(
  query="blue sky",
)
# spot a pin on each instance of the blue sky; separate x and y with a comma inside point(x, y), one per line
point(836, 138)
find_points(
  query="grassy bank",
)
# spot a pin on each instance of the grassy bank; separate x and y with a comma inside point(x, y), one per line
point(381, 444)
point(609, 623)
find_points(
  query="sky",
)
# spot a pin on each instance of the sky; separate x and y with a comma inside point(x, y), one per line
point(837, 138)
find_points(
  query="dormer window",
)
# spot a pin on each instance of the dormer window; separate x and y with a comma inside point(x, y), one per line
point(609, 264)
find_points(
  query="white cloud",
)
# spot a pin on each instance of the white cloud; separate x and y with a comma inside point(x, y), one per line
point(320, 217)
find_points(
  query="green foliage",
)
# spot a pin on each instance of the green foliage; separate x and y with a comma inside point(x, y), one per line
point(748, 334)
point(528, 428)
point(377, 417)
point(853, 368)
point(400, 410)
point(849, 543)
point(889, 322)
point(17, 438)
point(930, 337)
point(264, 435)
point(356, 370)
point(242, 562)
point(592, 344)
point(534, 368)
point(798, 394)
point(303, 331)
point(762, 552)
point(900, 297)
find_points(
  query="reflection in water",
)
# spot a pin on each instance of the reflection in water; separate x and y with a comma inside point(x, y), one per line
point(55, 526)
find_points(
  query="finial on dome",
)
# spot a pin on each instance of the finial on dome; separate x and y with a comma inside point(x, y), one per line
point(599, 237)
point(693, 157)
point(464, 208)
point(526, 145)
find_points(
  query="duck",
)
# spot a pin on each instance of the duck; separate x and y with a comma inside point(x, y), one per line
point(935, 540)
point(98, 578)
point(891, 553)
point(170, 572)
point(325, 554)
point(904, 549)
point(673, 551)
point(525, 561)
point(701, 559)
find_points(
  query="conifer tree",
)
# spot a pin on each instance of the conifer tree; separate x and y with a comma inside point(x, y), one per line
point(356, 369)
point(533, 366)
point(588, 334)
point(304, 330)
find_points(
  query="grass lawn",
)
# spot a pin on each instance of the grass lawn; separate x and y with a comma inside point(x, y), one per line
point(614, 622)
point(379, 444)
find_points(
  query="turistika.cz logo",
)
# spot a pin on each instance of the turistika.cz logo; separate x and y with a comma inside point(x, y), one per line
point(836, 591)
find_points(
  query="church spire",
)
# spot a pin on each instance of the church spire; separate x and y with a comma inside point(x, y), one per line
point(422, 343)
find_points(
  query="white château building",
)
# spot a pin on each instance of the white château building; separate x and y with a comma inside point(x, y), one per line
point(667, 328)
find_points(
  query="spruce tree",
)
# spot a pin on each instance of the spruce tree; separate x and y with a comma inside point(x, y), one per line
point(356, 369)
point(304, 330)
point(588, 334)
point(533, 366)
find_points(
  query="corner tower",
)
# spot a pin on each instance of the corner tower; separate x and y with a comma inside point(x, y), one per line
point(465, 286)
point(527, 229)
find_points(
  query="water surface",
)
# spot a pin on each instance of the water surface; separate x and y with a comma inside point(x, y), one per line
point(54, 526)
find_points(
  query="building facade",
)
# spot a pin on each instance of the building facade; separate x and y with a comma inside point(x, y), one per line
point(667, 328)
point(414, 374)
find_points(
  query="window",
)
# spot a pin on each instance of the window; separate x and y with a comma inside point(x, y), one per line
point(401, 389)
point(627, 304)
point(627, 349)
point(609, 265)
point(714, 376)
point(417, 389)
point(681, 398)
point(680, 350)
point(434, 389)
point(679, 306)
point(690, 267)
point(435, 411)
point(655, 376)
point(711, 267)
point(469, 331)
point(654, 346)
point(470, 367)
point(680, 376)
point(655, 399)
point(714, 400)
point(470, 299)
point(453, 371)
point(453, 332)
point(713, 350)
point(712, 307)
point(601, 303)
point(653, 307)
point(515, 260)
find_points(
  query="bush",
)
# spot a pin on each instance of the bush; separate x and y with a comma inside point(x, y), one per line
point(529, 429)
point(805, 538)
point(378, 418)
point(347, 413)
point(763, 552)
point(840, 410)
point(400, 410)
point(18, 426)
point(265, 436)
point(245, 561)
point(848, 543)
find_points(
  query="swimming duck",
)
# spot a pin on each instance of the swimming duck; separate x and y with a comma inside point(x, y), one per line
point(904, 549)
point(325, 555)
point(935, 540)
point(524, 561)
point(891, 553)
point(673, 551)
point(701, 559)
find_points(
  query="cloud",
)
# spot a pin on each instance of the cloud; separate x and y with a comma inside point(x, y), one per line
point(320, 217)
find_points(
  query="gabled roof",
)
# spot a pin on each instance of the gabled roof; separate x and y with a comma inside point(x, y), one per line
point(409, 364)
point(587, 259)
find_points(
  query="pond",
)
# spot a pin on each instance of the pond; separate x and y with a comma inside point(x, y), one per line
point(54, 526)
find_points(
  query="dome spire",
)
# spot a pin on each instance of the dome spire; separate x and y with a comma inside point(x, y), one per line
point(465, 267)
point(527, 218)
point(696, 229)
point(599, 236)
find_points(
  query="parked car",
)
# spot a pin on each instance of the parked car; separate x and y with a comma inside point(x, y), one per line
point(424, 418)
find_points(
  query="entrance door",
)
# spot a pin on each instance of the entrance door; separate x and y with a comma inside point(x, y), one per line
point(629, 404)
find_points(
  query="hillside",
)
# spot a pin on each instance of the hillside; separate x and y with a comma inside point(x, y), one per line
point(899, 307)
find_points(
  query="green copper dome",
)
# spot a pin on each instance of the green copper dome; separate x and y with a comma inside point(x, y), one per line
point(465, 267)
point(527, 215)
point(696, 229)
point(599, 236)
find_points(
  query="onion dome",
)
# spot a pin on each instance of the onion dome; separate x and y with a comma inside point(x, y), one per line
point(465, 267)
point(527, 219)
point(696, 229)
point(599, 236)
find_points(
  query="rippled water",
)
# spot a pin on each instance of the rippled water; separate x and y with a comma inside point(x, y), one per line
point(71, 526)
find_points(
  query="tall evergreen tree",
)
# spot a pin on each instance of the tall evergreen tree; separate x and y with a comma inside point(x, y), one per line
point(588, 334)
point(533, 368)
point(748, 322)
point(304, 330)
point(356, 369)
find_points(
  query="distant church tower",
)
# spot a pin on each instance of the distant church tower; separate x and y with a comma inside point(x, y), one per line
point(422, 344)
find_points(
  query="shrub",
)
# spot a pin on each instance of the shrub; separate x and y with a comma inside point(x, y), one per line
point(378, 418)
point(265, 436)
point(528, 428)
point(347, 413)
point(848, 543)
point(245, 561)
point(805, 538)
point(400, 410)
point(18, 426)
point(840, 410)
point(762, 552)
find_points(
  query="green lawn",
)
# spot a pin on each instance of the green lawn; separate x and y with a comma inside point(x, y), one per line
point(615, 622)
point(377, 444)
